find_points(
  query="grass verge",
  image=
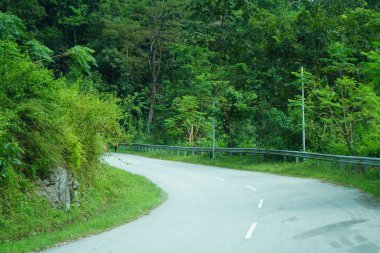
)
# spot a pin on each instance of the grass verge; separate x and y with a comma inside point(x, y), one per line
point(28, 223)
point(346, 176)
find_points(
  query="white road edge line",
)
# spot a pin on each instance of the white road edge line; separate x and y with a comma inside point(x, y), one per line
point(250, 187)
point(217, 178)
point(261, 203)
point(186, 171)
point(248, 235)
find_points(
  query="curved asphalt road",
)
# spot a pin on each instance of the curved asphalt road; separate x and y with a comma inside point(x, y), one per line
point(214, 210)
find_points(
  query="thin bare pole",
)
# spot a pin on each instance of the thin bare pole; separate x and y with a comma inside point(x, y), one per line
point(213, 128)
point(303, 112)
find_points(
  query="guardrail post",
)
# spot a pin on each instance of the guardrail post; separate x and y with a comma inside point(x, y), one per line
point(192, 152)
point(378, 170)
point(297, 159)
point(318, 163)
point(341, 166)
point(185, 152)
point(177, 152)
point(166, 151)
point(161, 151)
point(241, 155)
point(285, 159)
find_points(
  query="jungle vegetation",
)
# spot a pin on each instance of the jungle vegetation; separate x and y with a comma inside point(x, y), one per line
point(167, 61)
point(77, 74)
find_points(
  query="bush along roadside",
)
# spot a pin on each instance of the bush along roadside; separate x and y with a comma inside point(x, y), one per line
point(346, 176)
point(52, 134)
point(28, 222)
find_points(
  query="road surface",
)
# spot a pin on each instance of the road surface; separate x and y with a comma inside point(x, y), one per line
point(215, 210)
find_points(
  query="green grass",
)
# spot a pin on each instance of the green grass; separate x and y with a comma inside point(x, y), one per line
point(28, 223)
point(347, 176)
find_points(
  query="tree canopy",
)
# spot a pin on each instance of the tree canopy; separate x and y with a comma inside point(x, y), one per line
point(166, 61)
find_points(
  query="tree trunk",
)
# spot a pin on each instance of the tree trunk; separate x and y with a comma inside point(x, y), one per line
point(349, 141)
point(155, 65)
point(191, 135)
point(152, 105)
point(75, 36)
point(227, 129)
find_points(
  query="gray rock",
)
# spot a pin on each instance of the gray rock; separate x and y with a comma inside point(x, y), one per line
point(60, 188)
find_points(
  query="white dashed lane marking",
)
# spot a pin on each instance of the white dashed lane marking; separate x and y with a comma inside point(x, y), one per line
point(250, 187)
point(249, 233)
point(217, 178)
point(261, 203)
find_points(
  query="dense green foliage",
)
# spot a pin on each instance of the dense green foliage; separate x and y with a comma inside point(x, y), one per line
point(168, 60)
point(47, 121)
point(53, 122)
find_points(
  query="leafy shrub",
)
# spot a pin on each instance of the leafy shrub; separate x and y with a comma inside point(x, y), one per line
point(11, 27)
point(9, 156)
point(89, 122)
point(54, 122)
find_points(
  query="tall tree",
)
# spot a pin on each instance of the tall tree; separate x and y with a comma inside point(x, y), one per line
point(162, 25)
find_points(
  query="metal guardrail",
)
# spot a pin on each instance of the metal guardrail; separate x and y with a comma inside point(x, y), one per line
point(340, 159)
